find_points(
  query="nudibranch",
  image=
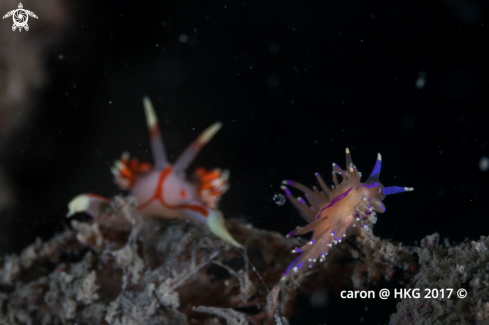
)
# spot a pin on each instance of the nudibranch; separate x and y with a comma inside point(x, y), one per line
point(333, 212)
point(163, 190)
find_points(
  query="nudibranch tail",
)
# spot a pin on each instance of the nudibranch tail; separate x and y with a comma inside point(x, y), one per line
point(216, 225)
point(194, 148)
point(332, 212)
point(157, 145)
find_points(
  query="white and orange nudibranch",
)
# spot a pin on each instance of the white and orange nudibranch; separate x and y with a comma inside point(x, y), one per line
point(163, 190)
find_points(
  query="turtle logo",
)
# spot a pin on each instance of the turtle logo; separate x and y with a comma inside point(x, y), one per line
point(20, 16)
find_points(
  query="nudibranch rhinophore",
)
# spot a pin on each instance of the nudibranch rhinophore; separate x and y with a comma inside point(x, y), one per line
point(163, 190)
point(333, 212)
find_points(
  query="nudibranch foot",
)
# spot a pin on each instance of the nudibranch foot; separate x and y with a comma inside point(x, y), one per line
point(334, 211)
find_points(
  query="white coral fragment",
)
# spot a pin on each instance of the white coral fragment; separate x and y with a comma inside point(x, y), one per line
point(231, 316)
point(88, 290)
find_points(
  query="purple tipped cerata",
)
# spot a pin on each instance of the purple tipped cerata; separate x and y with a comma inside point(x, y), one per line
point(376, 170)
point(332, 211)
point(299, 265)
point(374, 184)
point(291, 265)
point(393, 190)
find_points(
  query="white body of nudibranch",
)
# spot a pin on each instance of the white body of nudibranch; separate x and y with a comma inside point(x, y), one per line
point(164, 190)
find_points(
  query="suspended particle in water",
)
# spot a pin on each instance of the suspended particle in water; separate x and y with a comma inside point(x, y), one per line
point(272, 81)
point(484, 164)
point(273, 48)
point(421, 81)
point(183, 38)
point(279, 199)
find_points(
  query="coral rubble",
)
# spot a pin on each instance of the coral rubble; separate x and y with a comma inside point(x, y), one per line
point(464, 266)
point(117, 269)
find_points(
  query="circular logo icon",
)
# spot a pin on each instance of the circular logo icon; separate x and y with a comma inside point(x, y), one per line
point(461, 293)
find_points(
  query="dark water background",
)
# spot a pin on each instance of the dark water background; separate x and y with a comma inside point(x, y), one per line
point(294, 83)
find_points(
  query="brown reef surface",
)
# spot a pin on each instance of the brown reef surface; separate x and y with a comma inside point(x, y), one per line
point(117, 269)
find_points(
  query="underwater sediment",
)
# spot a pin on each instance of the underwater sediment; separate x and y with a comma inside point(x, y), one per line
point(462, 267)
point(117, 269)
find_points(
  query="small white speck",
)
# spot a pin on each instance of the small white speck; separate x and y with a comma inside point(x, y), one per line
point(110, 102)
point(421, 81)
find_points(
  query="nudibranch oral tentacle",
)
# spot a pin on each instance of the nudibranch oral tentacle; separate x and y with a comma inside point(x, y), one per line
point(332, 212)
point(164, 190)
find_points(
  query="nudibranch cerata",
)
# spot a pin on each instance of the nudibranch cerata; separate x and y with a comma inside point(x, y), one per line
point(163, 190)
point(334, 211)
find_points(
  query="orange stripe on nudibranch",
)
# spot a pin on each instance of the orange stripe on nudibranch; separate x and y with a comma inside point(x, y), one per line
point(211, 175)
point(183, 194)
point(133, 163)
point(158, 195)
point(100, 197)
point(154, 131)
point(212, 184)
point(198, 209)
point(125, 172)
